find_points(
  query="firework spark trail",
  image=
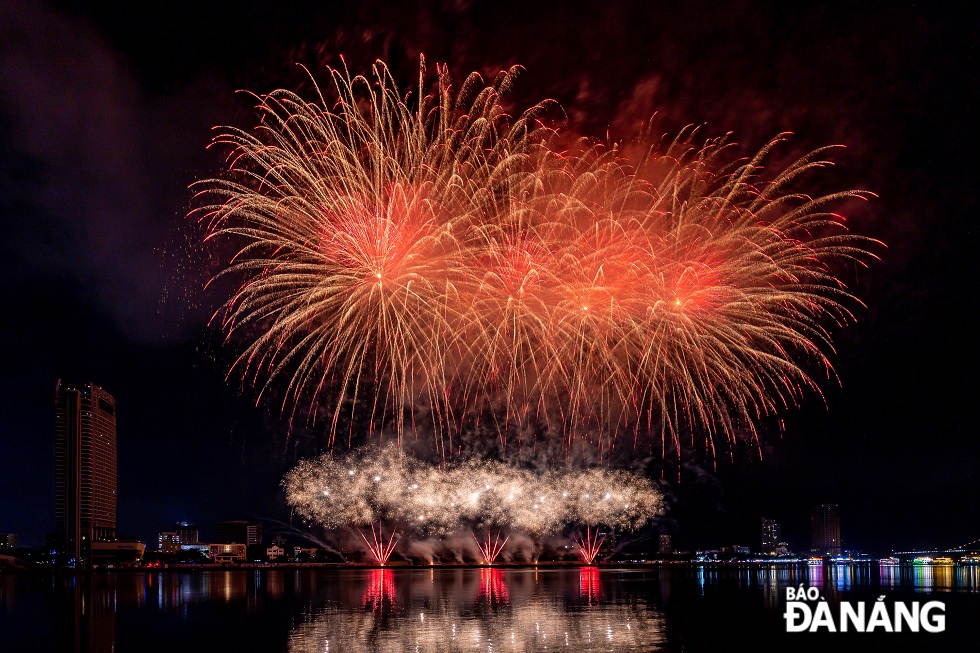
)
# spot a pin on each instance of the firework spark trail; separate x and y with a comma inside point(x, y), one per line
point(491, 547)
point(364, 487)
point(379, 549)
point(444, 254)
point(589, 545)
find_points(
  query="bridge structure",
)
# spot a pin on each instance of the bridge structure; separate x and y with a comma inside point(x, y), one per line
point(956, 553)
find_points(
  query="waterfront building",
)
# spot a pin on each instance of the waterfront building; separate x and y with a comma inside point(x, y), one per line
point(772, 535)
point(171, 541)
point(825, 530)
point(117, 553)
point(305, 554)
point(199, 548)
point(227, 553)
point(275, 552)
point(168, 542)
point(85, 469)
point(666, 546)
point(733, 551)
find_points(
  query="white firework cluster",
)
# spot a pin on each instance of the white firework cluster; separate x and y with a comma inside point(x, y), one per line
point(373, 485)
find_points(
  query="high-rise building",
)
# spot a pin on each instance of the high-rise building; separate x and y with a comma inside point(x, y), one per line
point(772, 534)
point(238, 532)
point(85, 468)
point(825, 530)
point(186, 532)
point(666, 546)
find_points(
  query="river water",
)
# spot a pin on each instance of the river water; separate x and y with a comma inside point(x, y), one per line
point(514, 609)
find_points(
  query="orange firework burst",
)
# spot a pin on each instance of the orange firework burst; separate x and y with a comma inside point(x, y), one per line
point(441, 252)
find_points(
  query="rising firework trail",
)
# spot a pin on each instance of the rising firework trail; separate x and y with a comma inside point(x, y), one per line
point(379, 549)
point(399, 250)
point(491, 547)
point(589, 545)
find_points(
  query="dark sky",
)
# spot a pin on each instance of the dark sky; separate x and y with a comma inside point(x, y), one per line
point(105, 116)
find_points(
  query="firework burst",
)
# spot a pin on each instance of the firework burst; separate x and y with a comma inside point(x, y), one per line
point(395, 251)
point(353, 223)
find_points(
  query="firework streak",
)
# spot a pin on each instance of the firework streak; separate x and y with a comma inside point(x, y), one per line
point(394, 252)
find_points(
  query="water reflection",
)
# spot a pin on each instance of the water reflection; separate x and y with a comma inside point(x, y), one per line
point(931, 578)
point(432, 609)
point(493, 588)
point(379, 594)
point(86, 606)
point(590, 588)
point(508, 610)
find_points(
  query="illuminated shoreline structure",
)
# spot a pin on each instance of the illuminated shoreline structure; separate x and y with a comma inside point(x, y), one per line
point(85, 469)
point(825, 530)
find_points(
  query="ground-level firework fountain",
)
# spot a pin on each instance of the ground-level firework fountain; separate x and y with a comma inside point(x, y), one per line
point(372, 486)
point(490, 548)
point(589, 544)
point(379, 549)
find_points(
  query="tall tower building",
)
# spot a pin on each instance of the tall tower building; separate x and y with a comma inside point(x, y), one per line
point(187, 532)
point(825, 530)
point(772, 534)
point(85, 468)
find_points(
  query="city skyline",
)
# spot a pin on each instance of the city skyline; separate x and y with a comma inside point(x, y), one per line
point(85, 441)
point(102, 280)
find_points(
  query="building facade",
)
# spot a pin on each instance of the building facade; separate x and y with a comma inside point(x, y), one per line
point(85, 468)
point(187, 532)
point(172, 541)
point(168, 542)
point(227, 553)
point(825, 530)
point(772, 535)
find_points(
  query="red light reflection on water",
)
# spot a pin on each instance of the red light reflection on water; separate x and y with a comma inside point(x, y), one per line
point(379, 595)
point(590, 585)
point(493, 587)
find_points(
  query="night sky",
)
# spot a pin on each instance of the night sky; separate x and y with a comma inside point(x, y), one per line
point(104, 120)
